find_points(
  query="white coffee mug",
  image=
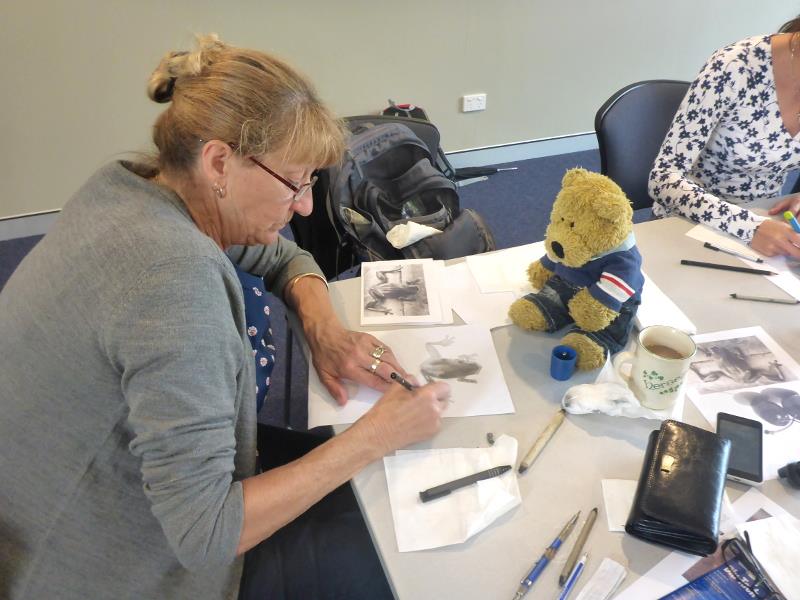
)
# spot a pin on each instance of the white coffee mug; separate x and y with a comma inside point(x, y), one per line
point(658, 366)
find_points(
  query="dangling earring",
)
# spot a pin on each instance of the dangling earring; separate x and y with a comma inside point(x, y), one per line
point(219, 190)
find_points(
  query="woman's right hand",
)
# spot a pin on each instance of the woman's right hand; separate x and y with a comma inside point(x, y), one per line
point(773, 238)
point(402, 417)
point(791, 202)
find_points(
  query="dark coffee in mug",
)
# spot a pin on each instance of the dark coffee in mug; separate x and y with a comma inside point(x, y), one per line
point(664, 351)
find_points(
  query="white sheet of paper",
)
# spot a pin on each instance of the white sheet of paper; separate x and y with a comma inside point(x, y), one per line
point(788, 271)
point(703, 233)
point(505, 270)
point(460, 515)
point(731, 361)
point(618, 498)
point(469, 354)
point(658, 309)
point(668, 575)
point(445, 298)
point(475, 308)
point(604, 582)
point(776, 546)
point(406, 292)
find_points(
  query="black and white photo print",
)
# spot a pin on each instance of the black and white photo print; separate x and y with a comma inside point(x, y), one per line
point(745, 372)
point(403, 292)
point(398, 290)
point(735, 363)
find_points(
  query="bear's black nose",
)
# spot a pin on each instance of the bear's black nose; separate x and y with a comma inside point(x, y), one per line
point(558, 249)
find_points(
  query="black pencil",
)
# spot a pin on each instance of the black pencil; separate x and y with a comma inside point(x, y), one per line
point(451, 486)
point(695, 263)
point(399, 379)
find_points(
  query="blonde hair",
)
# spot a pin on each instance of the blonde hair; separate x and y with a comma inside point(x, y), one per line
point(244, 97)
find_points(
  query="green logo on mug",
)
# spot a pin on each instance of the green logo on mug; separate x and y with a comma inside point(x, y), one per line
point(653, 380)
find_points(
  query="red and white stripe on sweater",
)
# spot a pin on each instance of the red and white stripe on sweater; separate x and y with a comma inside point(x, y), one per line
point(615, 287)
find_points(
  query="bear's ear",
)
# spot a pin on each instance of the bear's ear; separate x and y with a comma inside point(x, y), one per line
point(612, 207)
point(573, 176)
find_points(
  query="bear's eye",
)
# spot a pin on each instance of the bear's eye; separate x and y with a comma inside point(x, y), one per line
point(572, 224)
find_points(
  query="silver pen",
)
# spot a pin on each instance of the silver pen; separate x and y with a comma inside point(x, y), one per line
point(733, 253)
point(765, 299)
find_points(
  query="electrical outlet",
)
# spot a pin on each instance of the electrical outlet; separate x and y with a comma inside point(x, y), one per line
point(472, 102)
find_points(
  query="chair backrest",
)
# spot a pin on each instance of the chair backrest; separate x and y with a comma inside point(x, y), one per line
point(630, 128)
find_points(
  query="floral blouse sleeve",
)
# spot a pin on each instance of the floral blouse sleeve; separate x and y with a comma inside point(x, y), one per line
point(724, 82)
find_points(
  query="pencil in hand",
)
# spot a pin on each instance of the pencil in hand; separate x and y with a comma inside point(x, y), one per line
point(402, 381)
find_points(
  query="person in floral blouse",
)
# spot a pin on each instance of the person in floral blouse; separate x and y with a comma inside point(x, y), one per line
point(734, 139)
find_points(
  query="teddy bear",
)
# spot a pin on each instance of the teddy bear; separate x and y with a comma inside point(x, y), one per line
point(590, 277)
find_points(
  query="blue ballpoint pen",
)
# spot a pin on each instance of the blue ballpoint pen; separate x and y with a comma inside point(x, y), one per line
point(573, 577)
point(546, 557)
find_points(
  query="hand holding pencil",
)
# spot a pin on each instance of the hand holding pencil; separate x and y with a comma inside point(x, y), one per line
point(776, 238)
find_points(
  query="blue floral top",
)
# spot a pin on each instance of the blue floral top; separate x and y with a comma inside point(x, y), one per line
point(256, 314)
point(727, 144)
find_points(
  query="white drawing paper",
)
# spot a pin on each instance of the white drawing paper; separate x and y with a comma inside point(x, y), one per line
point(775, 542)
point(746, 373)
point(462, 292)
point(787, 269)
point(658, 309)
point(703, 233)
point(788, 273)
point(618, 497)
point(505, 270)
point(463, 356)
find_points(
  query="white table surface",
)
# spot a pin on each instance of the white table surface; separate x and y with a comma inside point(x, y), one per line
point(566, 476)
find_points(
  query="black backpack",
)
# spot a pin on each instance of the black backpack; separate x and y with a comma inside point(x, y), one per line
point(388, 177)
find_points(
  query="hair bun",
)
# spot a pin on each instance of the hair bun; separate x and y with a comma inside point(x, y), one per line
point(183, 64)
point(161, 91)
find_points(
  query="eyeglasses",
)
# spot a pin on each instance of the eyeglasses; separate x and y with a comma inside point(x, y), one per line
point(299, 190)
point(746, 569)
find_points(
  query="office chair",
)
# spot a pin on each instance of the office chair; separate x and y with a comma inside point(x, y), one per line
point(630, 127)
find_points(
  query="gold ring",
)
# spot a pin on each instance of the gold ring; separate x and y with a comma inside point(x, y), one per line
point(374, 366)
point(378, 352)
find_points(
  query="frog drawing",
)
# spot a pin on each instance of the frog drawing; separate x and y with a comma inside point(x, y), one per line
point(439, 367)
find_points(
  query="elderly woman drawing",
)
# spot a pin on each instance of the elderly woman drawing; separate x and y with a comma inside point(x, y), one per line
point(128, 383)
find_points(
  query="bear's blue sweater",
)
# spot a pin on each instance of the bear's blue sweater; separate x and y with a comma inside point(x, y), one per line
point(612, 279)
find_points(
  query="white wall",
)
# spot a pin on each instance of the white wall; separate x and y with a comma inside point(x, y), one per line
point(73, 73)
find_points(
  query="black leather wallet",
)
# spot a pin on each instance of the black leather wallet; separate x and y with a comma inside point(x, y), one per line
point(679, 496)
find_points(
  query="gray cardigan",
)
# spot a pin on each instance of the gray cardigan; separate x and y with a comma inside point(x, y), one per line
point(127, 400)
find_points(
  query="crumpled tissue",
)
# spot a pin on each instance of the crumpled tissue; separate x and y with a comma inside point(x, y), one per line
point(409, 233)
point(610, 395)
point(463, 513)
